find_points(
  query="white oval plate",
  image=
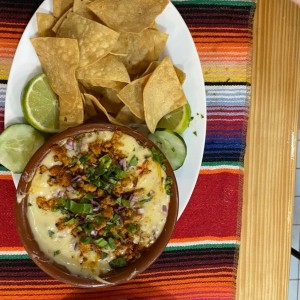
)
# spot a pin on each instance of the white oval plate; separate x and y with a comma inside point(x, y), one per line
point(180, 47)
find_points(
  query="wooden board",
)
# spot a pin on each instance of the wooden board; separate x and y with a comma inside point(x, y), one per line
point(270, 162)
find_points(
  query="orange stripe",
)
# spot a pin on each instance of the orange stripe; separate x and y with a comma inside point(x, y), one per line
point(218, 171)
point(5, 28)
point(119, 288)
point(5, 177)
point(205, 238)
point(140, 290)
point(11, 35)
point(226, 48)
point(9, 44)
point(17, 248)
point(221, 40)
point(221, 34)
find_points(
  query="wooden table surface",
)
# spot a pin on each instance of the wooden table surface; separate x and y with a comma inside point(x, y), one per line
point(270, 162)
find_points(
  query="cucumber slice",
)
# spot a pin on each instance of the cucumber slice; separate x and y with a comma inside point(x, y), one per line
point(18, 143)
point(172, 145)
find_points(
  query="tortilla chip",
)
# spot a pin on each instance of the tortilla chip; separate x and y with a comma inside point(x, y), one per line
point(126, 117)
point(95, 40)
point(59, 58)
point(128, 16)
point(89, 108)
point(132, 96)
point(96, 102)
point(107, 97)
point(71, 112)
point(106, 72)
point(140, 49)
point(180, 74)
point(45, 22)
point(60, 7)
point(162, 93)
point(80, 8)
point(60, 20)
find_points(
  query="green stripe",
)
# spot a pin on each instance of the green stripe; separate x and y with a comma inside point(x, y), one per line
point(249, 3)
point(3, 169)
point(13, 256)
point(220, 163)
point(201, 246)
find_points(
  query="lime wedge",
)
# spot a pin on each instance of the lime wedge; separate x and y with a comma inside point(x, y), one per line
point(177, 120)
point(40, 104)
point(18, 143)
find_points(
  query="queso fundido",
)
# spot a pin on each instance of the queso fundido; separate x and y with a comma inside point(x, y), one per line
point(97, 201)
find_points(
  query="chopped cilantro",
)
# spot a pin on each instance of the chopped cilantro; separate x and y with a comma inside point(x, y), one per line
point(168, 184)
point(86, 239)
point(105, 161)
point(133, 161)
point(118, 262)
point(56, 252)
point(72, 221)
point(79, 208)
point(195, 133)
point(132, 228)
point(158, 156)
point(101, 242)
point(111, 243)
point(116, 219)
point(122, 202)
point(143, 201)
point(84, 158)
point(51, 233)
point(86, 198)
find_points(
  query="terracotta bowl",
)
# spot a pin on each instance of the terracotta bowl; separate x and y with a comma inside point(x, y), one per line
point(60, 272)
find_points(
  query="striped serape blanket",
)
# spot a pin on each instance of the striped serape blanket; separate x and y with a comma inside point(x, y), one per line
point(200, 262)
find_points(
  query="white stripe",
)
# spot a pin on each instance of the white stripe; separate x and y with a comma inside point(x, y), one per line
point(211, 114)
point(205, 242)
point(226, 88)
point(229, 120)
point(233, 96)
point(4, 173)
point(16, 252)
point(213, 108)
point(219, 167)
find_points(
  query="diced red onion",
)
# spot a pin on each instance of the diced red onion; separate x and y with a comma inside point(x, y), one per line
point(94, 232)
point(133, 198)
point(58, 194)
point(96, 205)
point(77, 178)
point(69, 144)
point(123, 164)
point(69, 188)
point(165, 208)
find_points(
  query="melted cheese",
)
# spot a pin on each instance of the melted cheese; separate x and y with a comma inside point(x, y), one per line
point(60, 244)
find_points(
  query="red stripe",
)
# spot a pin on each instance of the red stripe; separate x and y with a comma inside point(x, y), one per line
point(203, 216)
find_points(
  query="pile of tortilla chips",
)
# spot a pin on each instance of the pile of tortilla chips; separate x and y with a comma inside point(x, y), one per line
point(103, 60)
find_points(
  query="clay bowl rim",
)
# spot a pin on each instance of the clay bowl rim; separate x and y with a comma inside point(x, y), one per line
point(61, 273)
